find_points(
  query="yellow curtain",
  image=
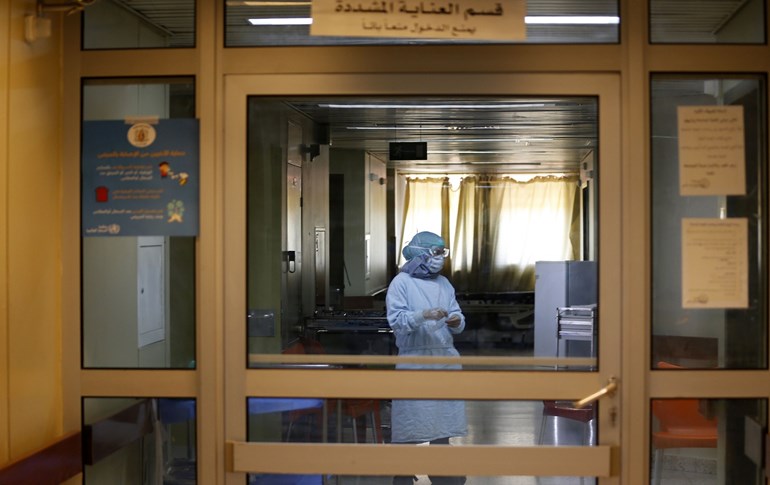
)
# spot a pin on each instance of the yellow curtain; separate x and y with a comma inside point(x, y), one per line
point(497, 227)
point(426, 208)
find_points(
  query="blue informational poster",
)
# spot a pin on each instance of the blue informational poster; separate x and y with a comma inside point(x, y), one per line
point(140, 178)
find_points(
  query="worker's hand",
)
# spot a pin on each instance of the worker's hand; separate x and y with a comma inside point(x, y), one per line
point(453, 321)
point(434, 314)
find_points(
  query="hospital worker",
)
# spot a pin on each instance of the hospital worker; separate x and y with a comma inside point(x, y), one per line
point(424, 315)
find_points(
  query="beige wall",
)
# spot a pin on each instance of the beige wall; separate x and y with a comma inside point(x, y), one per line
point(30, 234)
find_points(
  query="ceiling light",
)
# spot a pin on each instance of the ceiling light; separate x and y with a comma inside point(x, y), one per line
point(281, 21)
point(435, 106)
point(572, 20)
point(426, 128)
point(259, 3)
point(473, 152)
point(518, 164)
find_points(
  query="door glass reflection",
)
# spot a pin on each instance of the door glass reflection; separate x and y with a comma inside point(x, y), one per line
point(140, 440)
point(708, 441)
point(503, 423)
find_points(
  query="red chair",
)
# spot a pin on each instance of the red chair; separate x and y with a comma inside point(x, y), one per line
point(355, 409)
point(680, 425)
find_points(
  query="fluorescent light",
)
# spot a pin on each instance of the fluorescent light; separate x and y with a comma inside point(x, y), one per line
point(518, 164)
point(435, 106)
point(473, 152)
point(426, 128)
point(281, 21)
point(572, 20)
point(260, 3)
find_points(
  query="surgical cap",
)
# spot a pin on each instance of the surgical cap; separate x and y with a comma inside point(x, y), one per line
point(421, 244)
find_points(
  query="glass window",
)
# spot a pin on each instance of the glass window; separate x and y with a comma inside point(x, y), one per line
point(138, 291)
point(497, 423)
point(138, 440)
point(420, 479)
point(138, 24)
point(708, 440)
point(707, 22)
point(709, 151)
point(287, 23)
point(501, 192)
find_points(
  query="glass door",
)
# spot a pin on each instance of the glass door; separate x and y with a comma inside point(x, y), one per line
point(421, 260)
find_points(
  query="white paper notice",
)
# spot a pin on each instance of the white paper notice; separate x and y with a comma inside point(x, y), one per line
point(712, 157)
point(715, 263)
point(469, 19)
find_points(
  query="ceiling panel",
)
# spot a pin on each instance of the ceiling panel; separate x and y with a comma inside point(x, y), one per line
point(479, 134)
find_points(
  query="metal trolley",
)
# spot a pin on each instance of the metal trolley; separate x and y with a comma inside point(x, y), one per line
point(576, 323)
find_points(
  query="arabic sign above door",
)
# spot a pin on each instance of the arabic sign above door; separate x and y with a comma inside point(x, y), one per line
point(468, 20)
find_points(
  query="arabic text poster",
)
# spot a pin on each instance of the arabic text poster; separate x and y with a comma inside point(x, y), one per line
point(140, 178)
point(712, 157)
point(471, 19)
point(715, 263)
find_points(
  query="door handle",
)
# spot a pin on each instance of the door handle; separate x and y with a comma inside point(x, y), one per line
point(608, 390)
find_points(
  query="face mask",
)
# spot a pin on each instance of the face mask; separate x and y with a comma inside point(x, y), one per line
point(435, 264)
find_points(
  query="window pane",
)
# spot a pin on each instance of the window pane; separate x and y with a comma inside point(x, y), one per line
point(707, 22)
point(342, 191)
point(120, 24)
point(504, 423)
point(708, 440)
point(285, 479)
point(708, 166)
point(125, 324)
point(501, 423)
point(143, 441)
point(568, 22)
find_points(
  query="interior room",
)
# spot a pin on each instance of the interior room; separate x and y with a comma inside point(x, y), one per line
point(597, 171)
point(510, 184)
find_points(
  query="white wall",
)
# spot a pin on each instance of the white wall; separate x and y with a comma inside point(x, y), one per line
point(744, 26)
point(365, 217)
point(109, 263)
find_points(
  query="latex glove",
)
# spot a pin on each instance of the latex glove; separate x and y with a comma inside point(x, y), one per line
point(434, 314)
point(453, 321)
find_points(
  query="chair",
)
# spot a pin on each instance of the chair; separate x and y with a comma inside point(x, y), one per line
point(680, 425)
point(355, 409)
point(361, 408)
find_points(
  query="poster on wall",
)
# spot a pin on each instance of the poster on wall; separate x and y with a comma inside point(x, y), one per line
point(470, 19)
point(712, 158)
point(715, 263)
point(140, 178)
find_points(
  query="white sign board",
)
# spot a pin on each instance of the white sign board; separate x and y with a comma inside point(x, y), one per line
point(715, 263)
point(468, 20)
point(712, 157)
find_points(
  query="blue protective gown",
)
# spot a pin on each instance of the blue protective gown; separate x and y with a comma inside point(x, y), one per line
point(423, 420)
